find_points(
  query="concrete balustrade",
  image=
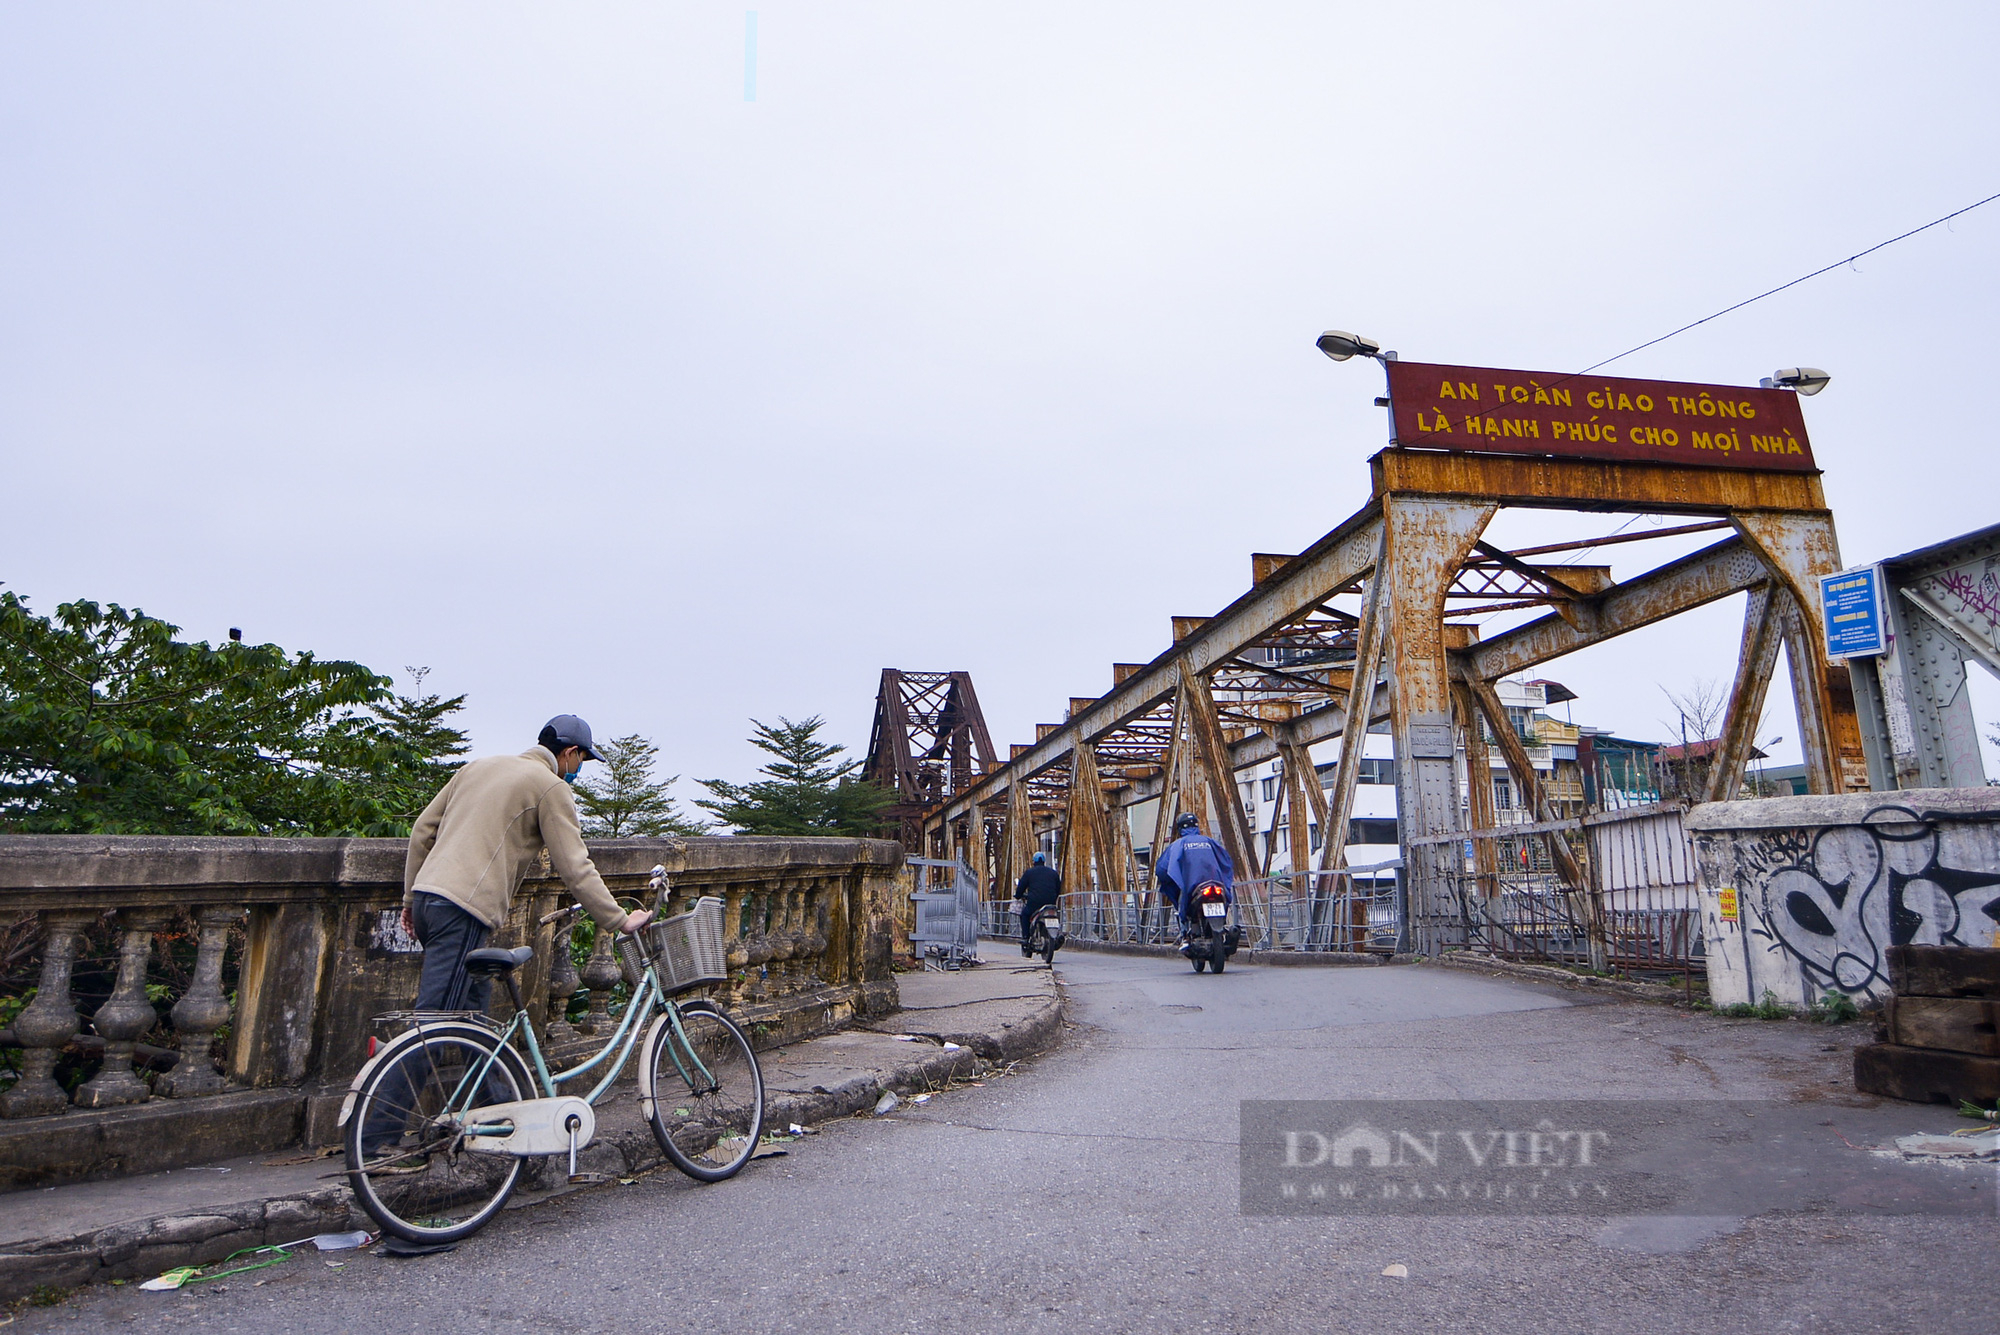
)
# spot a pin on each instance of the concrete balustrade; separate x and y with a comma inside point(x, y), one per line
point(308, 933)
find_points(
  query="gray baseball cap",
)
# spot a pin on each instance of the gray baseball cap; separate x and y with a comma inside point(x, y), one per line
point(570, 731)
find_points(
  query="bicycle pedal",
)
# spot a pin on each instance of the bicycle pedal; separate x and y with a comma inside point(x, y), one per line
point(589, 1179)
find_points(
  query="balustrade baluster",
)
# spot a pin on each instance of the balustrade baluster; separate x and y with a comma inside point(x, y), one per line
point(818, 909)
point(801, 965)
point(736, 949)
point(203, 1010)
point(125, 1016)
point(757, 942)
point(48, 1023)
point(800, 970)
point(784, 941)
point(563, 984)
point(601, 973)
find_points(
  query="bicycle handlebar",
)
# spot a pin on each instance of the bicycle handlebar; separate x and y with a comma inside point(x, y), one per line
point(657, 882)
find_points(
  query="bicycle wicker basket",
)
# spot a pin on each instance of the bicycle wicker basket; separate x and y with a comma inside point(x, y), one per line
point(687, 949)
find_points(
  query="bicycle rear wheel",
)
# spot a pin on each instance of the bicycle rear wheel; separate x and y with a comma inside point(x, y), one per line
point(410, 1165)
point(703, 1093)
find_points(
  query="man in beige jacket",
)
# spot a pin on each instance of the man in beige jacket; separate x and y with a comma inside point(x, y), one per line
point(471, 849)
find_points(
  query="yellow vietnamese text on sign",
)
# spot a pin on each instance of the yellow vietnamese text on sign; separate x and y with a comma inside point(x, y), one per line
point(1481, 410)
point(1725, 900)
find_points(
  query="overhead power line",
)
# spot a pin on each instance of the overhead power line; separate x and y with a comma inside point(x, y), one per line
point(1935, 222)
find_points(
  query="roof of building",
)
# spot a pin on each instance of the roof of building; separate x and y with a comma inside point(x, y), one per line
point(1556, 691)
point(1604, 741)
point(1702, 750)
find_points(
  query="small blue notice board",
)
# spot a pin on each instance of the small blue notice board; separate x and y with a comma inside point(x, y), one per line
point(1852, 604)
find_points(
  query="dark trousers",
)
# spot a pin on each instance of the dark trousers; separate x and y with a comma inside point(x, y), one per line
point(448, 934)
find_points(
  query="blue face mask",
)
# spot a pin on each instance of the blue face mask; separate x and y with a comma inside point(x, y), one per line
point(570, 778)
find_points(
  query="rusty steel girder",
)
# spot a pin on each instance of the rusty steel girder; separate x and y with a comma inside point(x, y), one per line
point(928, 741)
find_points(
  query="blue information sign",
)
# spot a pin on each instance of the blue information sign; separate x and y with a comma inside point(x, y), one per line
point(1852, 604)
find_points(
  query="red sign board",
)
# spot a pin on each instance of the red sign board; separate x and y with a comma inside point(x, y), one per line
point(1475, 409)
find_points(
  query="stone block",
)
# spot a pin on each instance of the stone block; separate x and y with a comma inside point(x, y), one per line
point(1945, 971)
point(153, 1260)
point(1922, 1075)
point(23, 1272)
point(1953, 1024)
point(322, 1211)
point(81, 1146)
point(133, 1245)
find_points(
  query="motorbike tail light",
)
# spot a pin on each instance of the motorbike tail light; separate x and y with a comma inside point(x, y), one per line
point(373, 1043)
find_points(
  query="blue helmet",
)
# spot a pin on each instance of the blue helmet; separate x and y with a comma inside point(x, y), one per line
point(1040, 857)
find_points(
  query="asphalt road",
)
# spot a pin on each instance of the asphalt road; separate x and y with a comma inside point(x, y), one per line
point(1097, 1188)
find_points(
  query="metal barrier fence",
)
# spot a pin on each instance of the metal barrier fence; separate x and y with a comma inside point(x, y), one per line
point(1352, 909)
point(1356, 909)
point(949, 915)
point(1630, 905)
point(1092, 915)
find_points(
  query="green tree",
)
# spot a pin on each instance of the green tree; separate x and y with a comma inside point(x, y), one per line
point(421, 747)
point(627, 802)
point(109, 724)
point(804, 793)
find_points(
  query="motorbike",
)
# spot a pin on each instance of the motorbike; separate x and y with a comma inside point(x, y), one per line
point(1212, 938)
point(1045, 934)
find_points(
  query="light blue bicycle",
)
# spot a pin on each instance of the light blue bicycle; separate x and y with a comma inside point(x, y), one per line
point(440, 1121)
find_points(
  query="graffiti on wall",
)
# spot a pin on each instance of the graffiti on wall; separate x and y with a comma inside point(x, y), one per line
point(1834, 900)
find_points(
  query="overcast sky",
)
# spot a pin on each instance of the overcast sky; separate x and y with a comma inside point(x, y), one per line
point(515, 341)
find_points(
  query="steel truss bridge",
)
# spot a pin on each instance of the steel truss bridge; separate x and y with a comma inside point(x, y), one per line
point(1370, 625)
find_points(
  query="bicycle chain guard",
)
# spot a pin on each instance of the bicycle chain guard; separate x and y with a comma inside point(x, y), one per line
point(541, 1126)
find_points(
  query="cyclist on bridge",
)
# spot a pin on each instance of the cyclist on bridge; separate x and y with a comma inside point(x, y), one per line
point(471, 849)
point(1191, 861)
point(1039, 887)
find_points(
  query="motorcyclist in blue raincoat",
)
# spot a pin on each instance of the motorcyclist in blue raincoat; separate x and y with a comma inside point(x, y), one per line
point(1192, 860)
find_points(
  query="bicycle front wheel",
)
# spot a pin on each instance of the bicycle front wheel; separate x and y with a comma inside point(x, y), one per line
point(703, 1092)
point(412, 1165)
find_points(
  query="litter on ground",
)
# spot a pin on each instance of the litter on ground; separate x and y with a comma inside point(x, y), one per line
point(1977, 1147)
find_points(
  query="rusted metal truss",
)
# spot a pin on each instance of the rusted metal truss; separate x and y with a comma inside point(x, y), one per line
point(928, 744)
point(1378, 601)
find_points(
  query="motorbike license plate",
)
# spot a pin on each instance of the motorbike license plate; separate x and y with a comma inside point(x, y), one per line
point(1214, 910)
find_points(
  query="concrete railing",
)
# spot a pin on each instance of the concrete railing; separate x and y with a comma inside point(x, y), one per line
point(281, 951)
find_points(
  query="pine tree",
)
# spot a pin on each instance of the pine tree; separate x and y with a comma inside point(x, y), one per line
point(805, 792)
point(628, 803)
point(421, 745)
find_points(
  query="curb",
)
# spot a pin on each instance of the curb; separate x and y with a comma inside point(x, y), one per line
point(142, 1248)
point(1543, 973)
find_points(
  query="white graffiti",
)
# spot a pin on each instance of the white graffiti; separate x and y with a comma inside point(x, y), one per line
point(1834, 901)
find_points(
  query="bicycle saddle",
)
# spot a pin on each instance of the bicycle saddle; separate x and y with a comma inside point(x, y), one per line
point(494, 960)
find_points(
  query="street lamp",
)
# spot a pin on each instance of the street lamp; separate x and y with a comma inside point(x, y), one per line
point(1806, 380)
point(1340, 345)
point(1763, 749)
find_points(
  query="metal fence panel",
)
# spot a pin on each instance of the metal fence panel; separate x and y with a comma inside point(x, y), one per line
point(948, 911)
point(1634, 910)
